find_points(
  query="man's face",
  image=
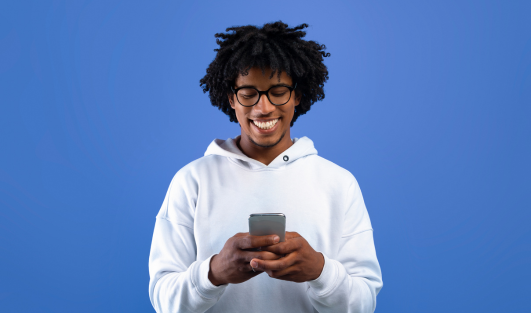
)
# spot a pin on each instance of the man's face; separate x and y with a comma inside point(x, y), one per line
point(264, 124)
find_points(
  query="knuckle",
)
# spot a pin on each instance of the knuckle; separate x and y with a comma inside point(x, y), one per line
point(234, 257)
point(276, 256)
point(247, 240)
point(269, 256)
point(277, 251)
point(239, 243)
point(270, 250)
point(254, 242)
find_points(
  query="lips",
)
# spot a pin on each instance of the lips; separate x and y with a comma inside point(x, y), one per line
point(265, 125)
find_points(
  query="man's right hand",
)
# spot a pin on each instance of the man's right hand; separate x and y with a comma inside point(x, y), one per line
point(232, 264)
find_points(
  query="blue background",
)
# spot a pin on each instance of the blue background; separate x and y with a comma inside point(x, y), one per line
point(428, 105)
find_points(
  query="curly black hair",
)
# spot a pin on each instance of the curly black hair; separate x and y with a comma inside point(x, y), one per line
point(275, 46)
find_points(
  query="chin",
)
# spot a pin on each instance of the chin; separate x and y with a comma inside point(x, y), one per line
point(267, 142)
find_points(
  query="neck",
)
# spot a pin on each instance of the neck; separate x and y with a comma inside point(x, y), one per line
point(263, 154)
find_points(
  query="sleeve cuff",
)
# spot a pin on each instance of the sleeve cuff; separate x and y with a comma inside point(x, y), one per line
point(204, 285)
point(327, 281)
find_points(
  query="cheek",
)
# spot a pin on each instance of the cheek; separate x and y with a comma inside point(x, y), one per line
point(288, 114)
point(241, 116)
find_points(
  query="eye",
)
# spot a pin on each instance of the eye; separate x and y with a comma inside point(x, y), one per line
point(247, 93)
point(279, 91)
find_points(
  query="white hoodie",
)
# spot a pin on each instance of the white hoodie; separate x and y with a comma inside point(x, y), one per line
point(210, 200)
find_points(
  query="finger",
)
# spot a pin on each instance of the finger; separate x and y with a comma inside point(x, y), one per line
point(274, 265)
point(247, 256)
point(292, 234)
point(254, 269)
point(249, 242)
point(285, 247)
point(284, 274)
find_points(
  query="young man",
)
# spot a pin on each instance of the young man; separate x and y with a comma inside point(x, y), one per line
point(201, 258)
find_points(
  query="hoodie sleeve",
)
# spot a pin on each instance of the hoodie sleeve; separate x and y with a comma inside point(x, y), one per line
point(350, 281)
point(178, 281)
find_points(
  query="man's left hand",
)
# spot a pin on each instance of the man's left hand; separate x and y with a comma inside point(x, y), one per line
point(301, 262)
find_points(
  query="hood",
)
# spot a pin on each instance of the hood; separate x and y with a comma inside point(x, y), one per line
point(301, 147)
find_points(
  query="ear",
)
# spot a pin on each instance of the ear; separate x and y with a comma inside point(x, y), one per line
point(298, 97)
point(230, 95)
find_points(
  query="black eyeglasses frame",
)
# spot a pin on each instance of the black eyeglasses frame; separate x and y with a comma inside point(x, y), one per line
point(266, 92)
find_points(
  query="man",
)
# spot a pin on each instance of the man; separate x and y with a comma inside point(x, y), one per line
point(202, 258)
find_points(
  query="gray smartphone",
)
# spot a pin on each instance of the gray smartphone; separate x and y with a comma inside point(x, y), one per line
point(261, 224)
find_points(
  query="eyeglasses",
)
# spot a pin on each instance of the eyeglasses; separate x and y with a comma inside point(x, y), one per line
point(277, 95)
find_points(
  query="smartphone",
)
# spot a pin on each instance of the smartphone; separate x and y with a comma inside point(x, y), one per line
point(262, 224)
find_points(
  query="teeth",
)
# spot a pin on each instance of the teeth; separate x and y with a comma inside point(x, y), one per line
point(266, 125)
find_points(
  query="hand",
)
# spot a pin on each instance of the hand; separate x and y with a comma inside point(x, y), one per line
point(301, 263)
point(232, 264)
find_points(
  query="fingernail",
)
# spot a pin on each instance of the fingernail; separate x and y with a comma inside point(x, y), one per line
point(276, 239)
point(254, 264)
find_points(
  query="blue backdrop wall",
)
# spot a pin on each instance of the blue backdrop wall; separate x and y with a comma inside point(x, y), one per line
point(428, 105)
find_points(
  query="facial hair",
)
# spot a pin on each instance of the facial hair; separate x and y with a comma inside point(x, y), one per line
point(267, 146)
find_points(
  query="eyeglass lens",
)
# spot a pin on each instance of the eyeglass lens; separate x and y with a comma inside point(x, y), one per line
point(277, 95)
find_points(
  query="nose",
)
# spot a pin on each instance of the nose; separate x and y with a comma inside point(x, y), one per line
point(264, 107)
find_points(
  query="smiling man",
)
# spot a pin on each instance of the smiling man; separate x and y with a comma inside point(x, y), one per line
point(265, 120)
point(202, 257)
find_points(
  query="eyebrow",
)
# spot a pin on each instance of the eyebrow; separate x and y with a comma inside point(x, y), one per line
point(276, 85)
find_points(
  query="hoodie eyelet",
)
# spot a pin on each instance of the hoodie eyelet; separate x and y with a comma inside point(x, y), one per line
point(286, 158)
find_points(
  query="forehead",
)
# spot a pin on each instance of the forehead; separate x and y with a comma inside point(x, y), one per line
point(261, 80)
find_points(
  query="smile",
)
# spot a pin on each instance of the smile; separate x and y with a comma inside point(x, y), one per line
point(266, 124)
